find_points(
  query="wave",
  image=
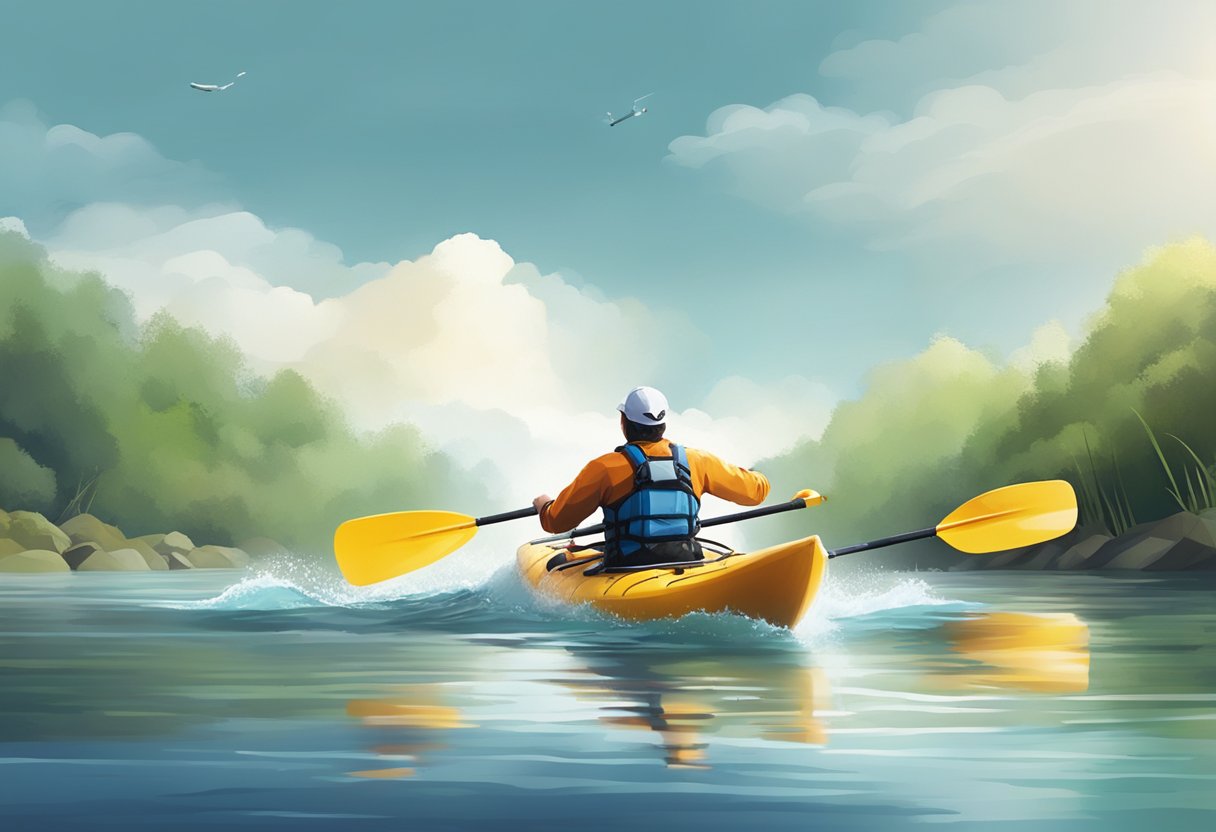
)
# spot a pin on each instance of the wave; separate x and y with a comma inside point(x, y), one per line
point(499, 601)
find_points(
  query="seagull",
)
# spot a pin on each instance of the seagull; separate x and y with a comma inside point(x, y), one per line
point(633, 111)
point(214, 87)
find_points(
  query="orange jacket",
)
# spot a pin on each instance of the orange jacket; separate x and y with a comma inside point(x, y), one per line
point(609, 478)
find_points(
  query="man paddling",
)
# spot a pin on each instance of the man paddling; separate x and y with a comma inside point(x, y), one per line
point(649, 489)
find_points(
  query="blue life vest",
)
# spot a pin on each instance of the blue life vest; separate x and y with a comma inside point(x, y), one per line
point(662, 508)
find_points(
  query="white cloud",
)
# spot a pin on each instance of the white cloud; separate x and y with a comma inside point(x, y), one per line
point(1054, 133)
point(14, 224)
point(1020, 48)
point(1058, 174)
point(47, 171)
point(202, 267)
point(496, 359)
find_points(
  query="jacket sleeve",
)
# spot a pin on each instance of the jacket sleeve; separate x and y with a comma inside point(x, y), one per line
point(577, 501)
point(730, 482)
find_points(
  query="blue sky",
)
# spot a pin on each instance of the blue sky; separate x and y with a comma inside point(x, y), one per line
point(818, 187)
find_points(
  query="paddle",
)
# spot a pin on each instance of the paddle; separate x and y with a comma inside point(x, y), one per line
point(382, 546)
point(1004, 518)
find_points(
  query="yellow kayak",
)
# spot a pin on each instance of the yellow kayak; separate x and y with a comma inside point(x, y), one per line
point(776, 584)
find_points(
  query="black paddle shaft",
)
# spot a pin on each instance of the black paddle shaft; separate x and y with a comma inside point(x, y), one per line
point(884, 541)
point(792, 505)
point(490, 519)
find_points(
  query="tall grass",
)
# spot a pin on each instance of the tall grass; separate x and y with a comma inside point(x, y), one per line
point(82, 500)
point(1200, 481)
point(1111, 508)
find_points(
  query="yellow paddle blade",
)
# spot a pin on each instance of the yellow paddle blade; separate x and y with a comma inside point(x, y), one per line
point(1011, 517)
point(383, 546)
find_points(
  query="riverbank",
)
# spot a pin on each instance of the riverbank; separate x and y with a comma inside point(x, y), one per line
point(29, 542)
point(1179, 543)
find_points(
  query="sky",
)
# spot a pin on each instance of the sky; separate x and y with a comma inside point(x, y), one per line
point(419, 206)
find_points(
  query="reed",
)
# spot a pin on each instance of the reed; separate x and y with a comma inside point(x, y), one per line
point(1099, 506)
point(82, 500)
point(1200, 480)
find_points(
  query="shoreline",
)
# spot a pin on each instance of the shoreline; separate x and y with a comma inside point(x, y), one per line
point(32, 544)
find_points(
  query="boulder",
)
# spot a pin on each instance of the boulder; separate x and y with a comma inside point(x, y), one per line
point(35, 560)
point(218, 557)
point(154, 559)
point(78, 554)
point(1195, 541)
point(168, 544)
point(176, 561)
point(1180, 541)
point(1043, 556)
point(1137, 552)
point(1077, 555)
point(120, 560)
point(34, 532)
point(9, 547)
point(85, 528)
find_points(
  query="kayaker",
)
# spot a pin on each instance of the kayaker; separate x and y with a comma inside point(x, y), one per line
point(649, 489)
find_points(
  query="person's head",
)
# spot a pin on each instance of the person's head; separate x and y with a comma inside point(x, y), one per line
point(643, 415)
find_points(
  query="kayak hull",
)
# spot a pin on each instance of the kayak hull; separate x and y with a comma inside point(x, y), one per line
point(776, 584)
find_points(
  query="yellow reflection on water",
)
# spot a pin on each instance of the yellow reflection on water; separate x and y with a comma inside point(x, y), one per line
point(1039, 652)
point(417, 712)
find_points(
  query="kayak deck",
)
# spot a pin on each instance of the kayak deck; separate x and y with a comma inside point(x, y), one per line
point(776, 584)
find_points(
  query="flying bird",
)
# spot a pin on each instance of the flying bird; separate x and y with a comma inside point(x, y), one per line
point(214, 87)
point(613, 121)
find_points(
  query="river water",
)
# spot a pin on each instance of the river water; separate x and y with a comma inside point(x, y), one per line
point(285, 700)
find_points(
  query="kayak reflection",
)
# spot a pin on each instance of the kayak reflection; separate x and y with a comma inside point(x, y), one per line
point(683, 699)
point(414, 717)
point(1033, 652)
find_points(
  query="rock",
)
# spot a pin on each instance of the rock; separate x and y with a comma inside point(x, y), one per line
point(168, 544)
point(263, 547)
point(1045, 555)
point(218, 557)
point(1180, 541)
point(120, 560)
point(34, 532)
point(1133, 553)
point(85, 528)
point(78, 554)
point(1195, 541)
point(176, 561)
point(1076, 556)
point(9, 547)
point(155, 560)
point(34, 560)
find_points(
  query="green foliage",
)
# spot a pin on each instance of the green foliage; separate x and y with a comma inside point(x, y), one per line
point(23, 482)
point(162, 427)
point(933, 431)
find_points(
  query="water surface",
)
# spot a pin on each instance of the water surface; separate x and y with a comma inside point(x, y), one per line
point(214, 700)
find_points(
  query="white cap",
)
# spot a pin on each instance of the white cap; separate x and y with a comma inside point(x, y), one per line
point(645, 406)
